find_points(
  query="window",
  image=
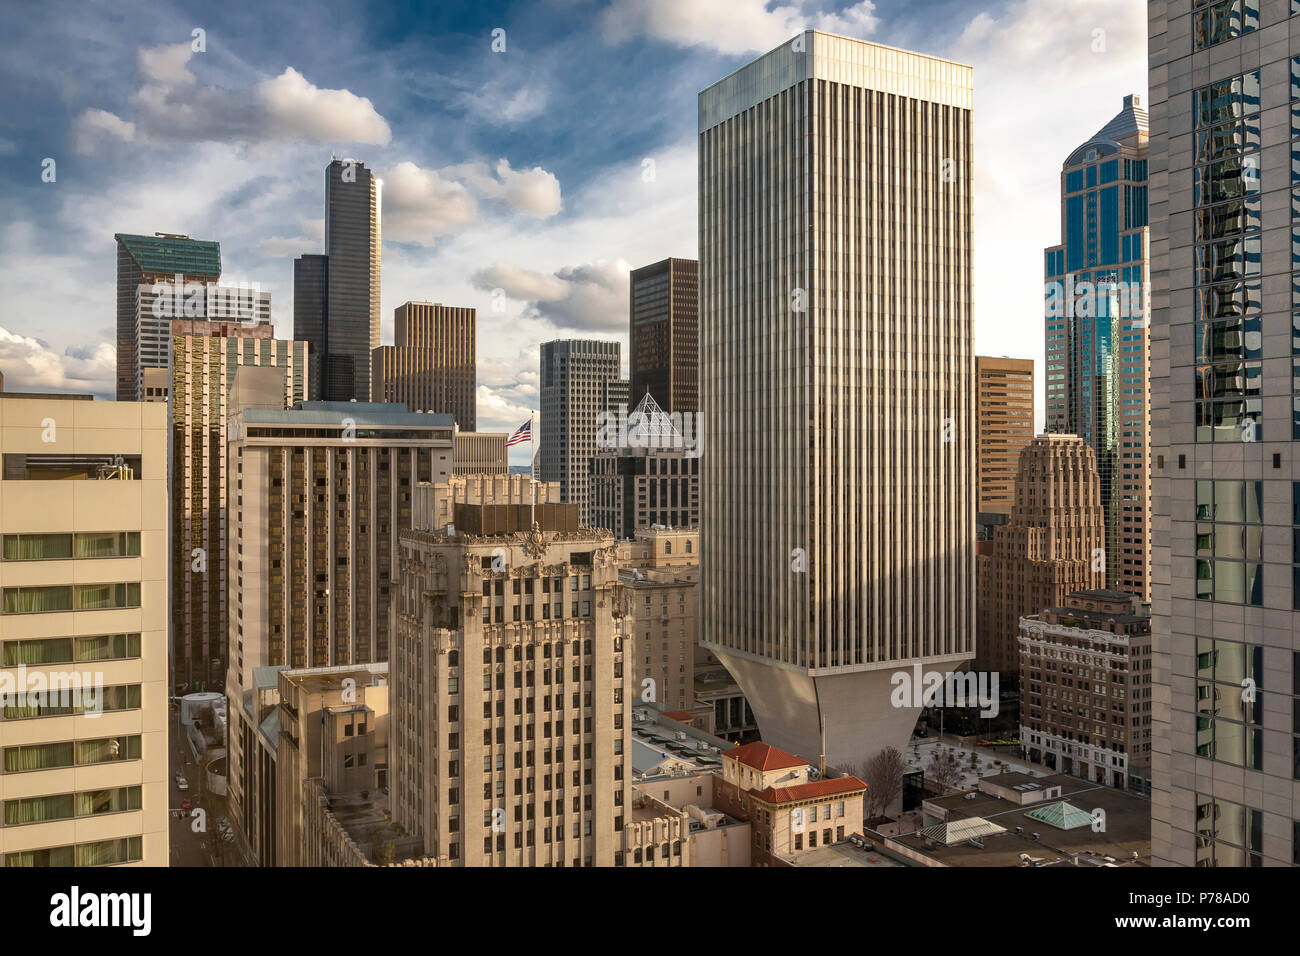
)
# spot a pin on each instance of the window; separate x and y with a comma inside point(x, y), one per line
point(1229, 536)
point(1228, 725)
point(1214, 21)
point(1227, 834)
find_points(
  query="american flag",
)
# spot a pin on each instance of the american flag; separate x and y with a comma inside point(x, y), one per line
point(522, 434)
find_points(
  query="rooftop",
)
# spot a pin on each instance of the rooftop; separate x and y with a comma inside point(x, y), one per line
point(761, 756)
point(362, 414)
point(815, 790)
point(171, 254)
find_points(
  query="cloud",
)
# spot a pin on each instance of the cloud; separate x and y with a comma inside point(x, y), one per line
point(586, 298)
point(171, 105)
point(422, 204)
point(534, 192)
point(93, 126)
point(30, 364)
point(734, 27)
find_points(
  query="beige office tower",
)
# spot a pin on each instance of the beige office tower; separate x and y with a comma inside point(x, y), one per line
point(1004, 420)
point(205, 358)
point(1226, 590)
point(662, 577)
point(83, 630)
point(837, 383)
point(1053, 544)
point(316, 496)
point(511, 682)
point(432, 365)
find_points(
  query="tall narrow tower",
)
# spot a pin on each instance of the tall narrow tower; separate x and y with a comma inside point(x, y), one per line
point(837, 380)
point(352, 245)
point(1096, 334)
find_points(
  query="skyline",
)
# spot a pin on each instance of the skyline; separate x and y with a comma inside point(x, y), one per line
point(521, 192)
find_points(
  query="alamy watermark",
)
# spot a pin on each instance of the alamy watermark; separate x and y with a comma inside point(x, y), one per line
point(953, 689)
point(637, 430)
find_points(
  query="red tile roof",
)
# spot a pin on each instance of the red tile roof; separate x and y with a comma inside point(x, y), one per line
point(762, 756)
point(809, 791)
point(681, 716)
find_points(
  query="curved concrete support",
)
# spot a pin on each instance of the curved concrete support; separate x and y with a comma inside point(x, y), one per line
point(861, 719)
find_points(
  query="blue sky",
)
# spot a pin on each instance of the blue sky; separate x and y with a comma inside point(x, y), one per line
point(521, 170)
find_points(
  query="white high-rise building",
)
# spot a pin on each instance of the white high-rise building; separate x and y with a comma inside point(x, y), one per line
point(837, 384)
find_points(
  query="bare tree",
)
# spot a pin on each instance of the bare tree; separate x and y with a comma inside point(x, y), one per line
point(884, 775)
point(944, 769)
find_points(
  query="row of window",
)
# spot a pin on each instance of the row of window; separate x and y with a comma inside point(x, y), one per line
point(79, 701)
point(43, 599)
point(70, 650)
point(70, 753)
point(66, 806)
point(100, 853)
point(53, 547)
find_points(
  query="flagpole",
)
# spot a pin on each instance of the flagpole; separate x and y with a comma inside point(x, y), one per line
point(532, 465)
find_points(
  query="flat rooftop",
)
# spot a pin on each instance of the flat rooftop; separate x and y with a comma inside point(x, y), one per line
point(1127, 827)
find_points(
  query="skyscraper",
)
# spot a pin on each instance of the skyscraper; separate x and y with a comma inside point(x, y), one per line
point(339, 312)
point(432, 366)
point(310, 287)
point(489, 772)
point(1096, 332)
point(579, 380)
point(1046, 550)
point(1004, 422)
point(837, 384)
point(143, 261)
point(1226, 630)
point(206, 356)
point(664, 333)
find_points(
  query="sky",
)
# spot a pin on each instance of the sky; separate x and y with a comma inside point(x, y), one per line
point(541, 148)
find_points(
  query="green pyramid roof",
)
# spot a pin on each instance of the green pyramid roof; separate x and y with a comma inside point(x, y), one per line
point(1062, 815)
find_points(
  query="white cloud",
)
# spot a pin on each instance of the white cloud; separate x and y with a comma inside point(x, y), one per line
point(585, 298)
point(422, 204)
point(30, 364)
point(737, 26)
point(297, 110)
point(94, 126)
point(171, 106)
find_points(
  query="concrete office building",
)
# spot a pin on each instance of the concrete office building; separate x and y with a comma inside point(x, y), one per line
point(432, 367)
point(435, 503)
point(511, 675)
point(1223, 134)
point(1085, 690)
point(83, 631)
point(143, 261)
point(1004, 420)
point(1051, 546)
point(579, 381)
point(648, 476)
point(838, 489)
point(205, 359)
point(316, 497)
point(336, 296)
point(1097, 336)
point(664, 333)
point(661, 576)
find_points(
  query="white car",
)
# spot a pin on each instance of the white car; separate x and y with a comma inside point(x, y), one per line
point(181, 782)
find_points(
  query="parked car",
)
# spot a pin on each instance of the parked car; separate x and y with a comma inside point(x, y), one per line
point(181, 782)
point(185, 804)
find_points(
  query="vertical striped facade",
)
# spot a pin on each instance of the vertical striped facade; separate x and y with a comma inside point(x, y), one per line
point(837, 379)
